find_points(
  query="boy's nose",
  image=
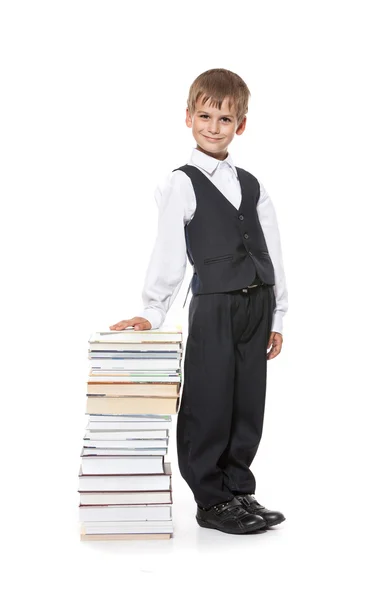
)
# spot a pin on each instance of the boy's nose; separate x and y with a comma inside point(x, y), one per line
point(213, 128)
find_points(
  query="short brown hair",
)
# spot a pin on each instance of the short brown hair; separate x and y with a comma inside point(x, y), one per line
point(216, 84)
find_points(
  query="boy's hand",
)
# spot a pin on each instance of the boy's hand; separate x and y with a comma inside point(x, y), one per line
point(138, 323)
point(276, 340)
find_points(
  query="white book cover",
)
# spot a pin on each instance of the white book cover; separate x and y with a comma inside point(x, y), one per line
point(110, 378)
point(93, 527)
point(162, 334)
point(126, 425)
point(127, 444)
point(121, 465)
point(103, 498)
point(141, 347)
point(142, 355)
point(123, 483)
point(124, 451)
point(126, 435)
point(128, 418)
point(134, 364)
point(135, 512)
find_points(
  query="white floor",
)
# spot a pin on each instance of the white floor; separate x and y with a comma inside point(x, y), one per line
point(321, 551)
point(317, 463)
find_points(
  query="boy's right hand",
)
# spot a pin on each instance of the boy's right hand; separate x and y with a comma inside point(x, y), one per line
point(138, 323)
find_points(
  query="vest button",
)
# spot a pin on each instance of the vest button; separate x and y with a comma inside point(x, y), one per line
point(241, 217)
point(250, 253)
point(246, 235)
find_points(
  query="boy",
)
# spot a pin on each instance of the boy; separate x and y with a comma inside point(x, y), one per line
point(221, 217)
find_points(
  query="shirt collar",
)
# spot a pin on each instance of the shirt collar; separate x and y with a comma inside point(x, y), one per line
point(209, 163)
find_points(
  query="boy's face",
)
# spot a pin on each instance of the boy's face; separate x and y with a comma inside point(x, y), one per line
point(214, 129)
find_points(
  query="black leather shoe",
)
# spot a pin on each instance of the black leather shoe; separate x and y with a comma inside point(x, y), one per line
point(252, 506)
point(229, 517)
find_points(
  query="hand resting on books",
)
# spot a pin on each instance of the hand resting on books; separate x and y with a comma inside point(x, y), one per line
point(138, 323)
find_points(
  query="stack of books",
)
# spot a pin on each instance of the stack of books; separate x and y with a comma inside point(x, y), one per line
point(125, 478)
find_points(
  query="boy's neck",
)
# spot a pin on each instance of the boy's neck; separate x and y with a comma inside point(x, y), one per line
point(217, 155)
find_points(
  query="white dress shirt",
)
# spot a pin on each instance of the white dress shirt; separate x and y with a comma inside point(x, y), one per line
point(176, 202)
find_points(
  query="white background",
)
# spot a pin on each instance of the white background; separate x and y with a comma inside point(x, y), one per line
point(92, 117)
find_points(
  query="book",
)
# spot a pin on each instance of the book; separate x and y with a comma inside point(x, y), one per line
point(140, 347)
point(126, 483)
point(126, 435)
point(113, 537)
point(130, 377)
point(128, 444)
point(96, 425)
point(121, 465)
point(104, 498)
point(118, 375)
point(136, 364)
point(124, 404)
point(127, 512)
point(135, 417)
point(130, 335)
point(133, 354)
point(162, 526)
point(125, 451)
point(116, 388)
point(142, 529)
point(137, 387)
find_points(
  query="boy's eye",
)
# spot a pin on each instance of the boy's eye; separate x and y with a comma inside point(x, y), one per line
point(206, 116)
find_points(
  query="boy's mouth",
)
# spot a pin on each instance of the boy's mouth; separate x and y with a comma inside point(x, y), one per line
point(212, 139)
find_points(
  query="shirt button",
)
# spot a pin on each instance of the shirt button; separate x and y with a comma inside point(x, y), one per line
point(241, 217)
point(246, 235)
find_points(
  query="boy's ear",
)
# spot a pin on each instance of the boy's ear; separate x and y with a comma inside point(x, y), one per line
point(241, 127)
point(188, 118)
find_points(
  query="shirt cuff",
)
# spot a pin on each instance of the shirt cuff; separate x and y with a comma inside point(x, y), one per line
point(277, 322)
point(153, 315)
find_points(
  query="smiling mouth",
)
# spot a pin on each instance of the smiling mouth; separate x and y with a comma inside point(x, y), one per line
point(212, 139)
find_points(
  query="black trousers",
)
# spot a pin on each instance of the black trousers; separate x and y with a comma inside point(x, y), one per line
point(220, 419)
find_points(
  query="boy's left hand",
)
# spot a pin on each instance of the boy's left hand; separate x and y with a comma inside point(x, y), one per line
point(276, 340)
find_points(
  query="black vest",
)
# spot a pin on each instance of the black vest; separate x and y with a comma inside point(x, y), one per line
point(225, 245)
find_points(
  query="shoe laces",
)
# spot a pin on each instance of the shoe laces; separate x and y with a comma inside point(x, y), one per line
point(237, 510)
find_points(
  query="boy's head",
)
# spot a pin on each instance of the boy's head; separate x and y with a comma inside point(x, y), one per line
point(216, 110)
